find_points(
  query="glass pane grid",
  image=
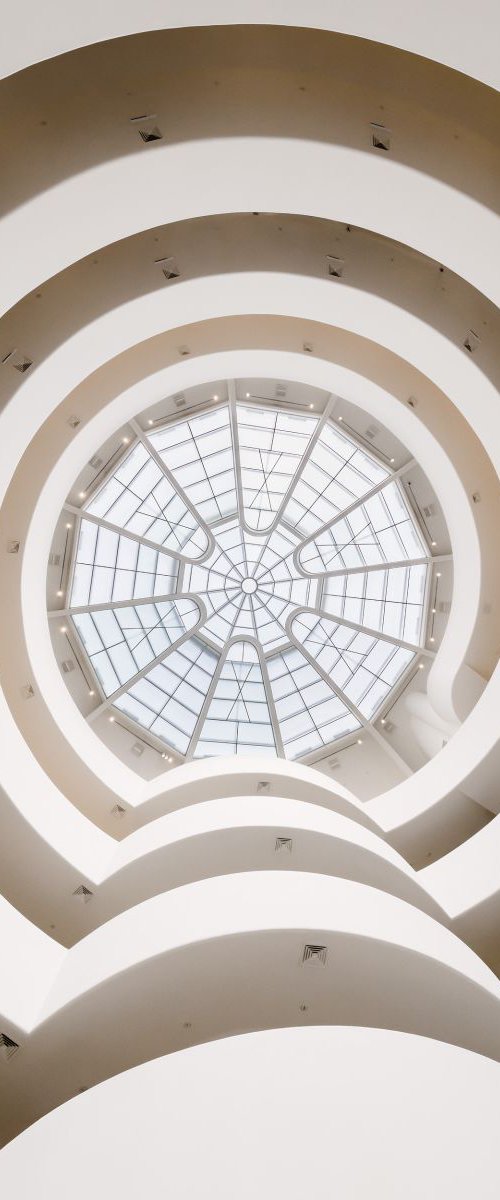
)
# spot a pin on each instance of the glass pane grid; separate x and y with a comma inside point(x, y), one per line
point(169, 699)
point(111, 567)
point(337, 473)
point(249, 585)
point(390, 601)
point(271, 444)
point(139, 498)
point(200, 455)
point(238, 718)
point(364, 668)
point(310, 714)
point(379, 530)
point(123, 641)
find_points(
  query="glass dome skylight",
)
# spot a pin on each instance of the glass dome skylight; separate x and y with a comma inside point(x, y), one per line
point(249, 579)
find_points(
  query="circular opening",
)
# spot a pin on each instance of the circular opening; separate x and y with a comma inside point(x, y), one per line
point(254, 622)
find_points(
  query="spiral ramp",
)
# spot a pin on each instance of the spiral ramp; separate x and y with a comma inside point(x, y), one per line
point(250, 912)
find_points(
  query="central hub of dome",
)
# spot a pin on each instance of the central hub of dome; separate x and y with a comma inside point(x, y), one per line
point(249, 586)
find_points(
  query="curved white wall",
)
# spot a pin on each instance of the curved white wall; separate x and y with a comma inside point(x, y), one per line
point(444, 35)
point(294, 1112)
point(194, 929)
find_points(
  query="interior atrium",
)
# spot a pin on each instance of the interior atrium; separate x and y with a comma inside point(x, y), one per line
point(249, 679)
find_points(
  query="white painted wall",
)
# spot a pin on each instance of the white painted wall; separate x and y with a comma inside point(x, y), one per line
point(299, 1112)
point(444, 34)
point(30, 963)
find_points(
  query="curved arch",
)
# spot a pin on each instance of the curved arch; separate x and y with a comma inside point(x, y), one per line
point(427, 35)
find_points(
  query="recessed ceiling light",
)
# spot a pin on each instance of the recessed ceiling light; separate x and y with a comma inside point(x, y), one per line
point(150, 421)
point(420, 666)
point(60, 593)
point(82, 495)
point(393, 460)
point(311, 406)
point(111, 719)
point(247, 394)
point(383, 720)
point(360, 741)
point(69, 525)
point(64, 628)
point(433, 610)
point(341, 418)
point(91, 692)
point(215, 397)
point(125, 441)
point(438, 574)
point(433, 543)
point(432, 639)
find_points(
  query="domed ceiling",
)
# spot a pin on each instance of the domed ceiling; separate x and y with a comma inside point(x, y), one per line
point(249, 579)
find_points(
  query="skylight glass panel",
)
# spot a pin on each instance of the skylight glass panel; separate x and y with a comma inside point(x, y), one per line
point(309, 712)
point(110, 566)
point(271, 444)
point(390, 601)
point(199, 453)
point(123, 641)
point(141, 578)
point(377, 531)
point(139, 498)
point(336, 474)
point(364, 668)
point(168, 699)
point(238, 719)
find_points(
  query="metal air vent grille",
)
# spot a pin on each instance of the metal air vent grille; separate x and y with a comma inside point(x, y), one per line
point(283, 844)
point(314, 954)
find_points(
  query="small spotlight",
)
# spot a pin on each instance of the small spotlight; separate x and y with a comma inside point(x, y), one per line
point(383, 721)
point(215, 397)
point(64, 628)
point(432, 639)
point(433, 610)
point(340, 418)
point(111, 719)
point(82, 495)
point(393, 460)
point(420, 666)
point(150, 421)
point(60, 593)
point(164, 755)
point(69, 525)
point(360, 741)
point(91, 692)
point(433, 543)
point(438, 574)
point(125, 441)
point(247, 394)
point(311, 406)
